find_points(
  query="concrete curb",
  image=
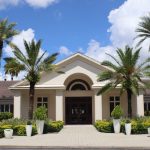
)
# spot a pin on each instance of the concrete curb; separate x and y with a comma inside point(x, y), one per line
point(70, 148)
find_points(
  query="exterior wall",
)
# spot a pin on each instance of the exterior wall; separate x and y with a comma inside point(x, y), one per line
point(51, 94)
point(106, 103)
point(38, 93)
point(25, 103)
point(51, 101)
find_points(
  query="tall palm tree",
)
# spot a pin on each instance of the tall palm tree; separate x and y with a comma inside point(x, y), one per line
point(144, 29)
point(13, 67)
point(125, 72)
point(34, 64)
point(7, 31)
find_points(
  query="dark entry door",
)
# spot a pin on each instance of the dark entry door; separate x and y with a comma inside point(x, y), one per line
point(78, 110)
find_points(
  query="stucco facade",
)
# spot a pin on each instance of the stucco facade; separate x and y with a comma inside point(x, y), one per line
point(76, 84)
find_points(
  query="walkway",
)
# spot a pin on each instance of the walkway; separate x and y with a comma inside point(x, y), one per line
point(80, 136)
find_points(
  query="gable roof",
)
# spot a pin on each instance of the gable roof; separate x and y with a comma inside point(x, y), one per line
point(83, 57)
point(5, 92)
point(78, 56)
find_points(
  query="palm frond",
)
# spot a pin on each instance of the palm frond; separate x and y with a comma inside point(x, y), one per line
point(105, 75)
point(105, 88)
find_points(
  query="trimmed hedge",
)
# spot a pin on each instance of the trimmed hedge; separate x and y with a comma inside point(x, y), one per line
point(139, 125)
point(53, 126)
point(104, 126)
point(5, 115)
point(1, 132)
point(19, 126)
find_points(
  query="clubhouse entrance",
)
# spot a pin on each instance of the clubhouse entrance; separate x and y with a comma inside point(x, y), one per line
point(78, 110)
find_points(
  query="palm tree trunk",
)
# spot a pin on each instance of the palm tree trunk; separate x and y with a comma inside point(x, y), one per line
point(31, 99)
point(1, 48)
point(129, 95)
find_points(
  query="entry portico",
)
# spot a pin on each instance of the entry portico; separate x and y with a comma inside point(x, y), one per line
point(72, 96)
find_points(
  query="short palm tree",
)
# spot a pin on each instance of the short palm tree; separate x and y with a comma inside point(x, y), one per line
point(13, 67)
point(144, 29)
point(7, 31)
point(126, 73)
point(34, 65)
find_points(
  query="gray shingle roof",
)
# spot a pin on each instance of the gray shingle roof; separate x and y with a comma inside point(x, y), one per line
point(5, 93)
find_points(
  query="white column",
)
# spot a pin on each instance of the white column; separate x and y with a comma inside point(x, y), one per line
point(140, 105)
point(98, 106)
point(59, 105)
point(17, 104)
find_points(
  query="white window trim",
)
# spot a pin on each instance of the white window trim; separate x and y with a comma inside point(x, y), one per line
point(78, 82)
point(42, 101)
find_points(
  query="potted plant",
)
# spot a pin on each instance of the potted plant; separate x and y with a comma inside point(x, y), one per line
point(8, 133)
point(148, 130)
point(116, 114)
point(29, 128)
point(40, 114)
point(128, 127)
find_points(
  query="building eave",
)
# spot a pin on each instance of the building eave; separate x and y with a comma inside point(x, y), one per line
point(51, 87)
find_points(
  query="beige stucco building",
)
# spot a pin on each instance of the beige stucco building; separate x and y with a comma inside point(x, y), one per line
point(72, 96)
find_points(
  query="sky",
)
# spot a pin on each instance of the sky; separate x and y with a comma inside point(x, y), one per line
point(92, 27)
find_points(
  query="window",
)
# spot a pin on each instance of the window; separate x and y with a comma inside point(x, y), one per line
point(114, 101)
point(78, 84)
point(6, 108)
point(146, 103)
point(42, 101)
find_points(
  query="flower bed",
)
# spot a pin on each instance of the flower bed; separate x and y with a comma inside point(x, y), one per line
point(19, 126)
point(139, 125)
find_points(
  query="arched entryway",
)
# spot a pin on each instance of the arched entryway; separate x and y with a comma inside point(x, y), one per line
point(78, 100)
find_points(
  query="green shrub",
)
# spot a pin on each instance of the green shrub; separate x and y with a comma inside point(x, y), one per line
point(29, 122)
point(5, 115)
point(40, 113)
point(46, 127)
point(6, 127)
point(117, 112)
point(104, 126)
point(1, 132)
point(19, 130)
point(19, 126)
point(55, 126)
point(13, 122)
point(139, 125)
point(147, 113)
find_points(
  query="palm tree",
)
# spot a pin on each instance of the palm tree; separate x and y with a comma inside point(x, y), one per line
point(144, 29)
point(126, 73)
point(13, 67)
point(7, 31)
point(34, 65)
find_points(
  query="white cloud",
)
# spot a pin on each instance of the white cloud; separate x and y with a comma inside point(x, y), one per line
point(96, 51)
point(124, 21)
point(63, 50)
point(6, 3)
point(27, 35)
point(41, 3)
point(33, 3)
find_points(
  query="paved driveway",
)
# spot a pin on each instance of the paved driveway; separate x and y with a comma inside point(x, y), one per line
point(79, 136)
